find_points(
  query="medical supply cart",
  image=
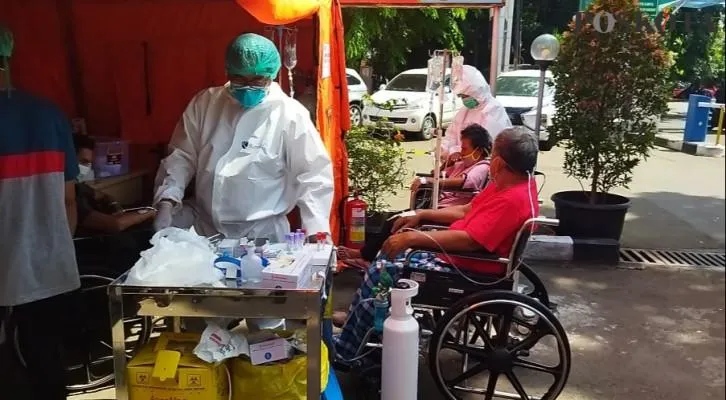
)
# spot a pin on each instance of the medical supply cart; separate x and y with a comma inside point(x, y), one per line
point(230, 300)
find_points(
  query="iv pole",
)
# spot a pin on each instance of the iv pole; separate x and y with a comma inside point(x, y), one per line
point(439, 129)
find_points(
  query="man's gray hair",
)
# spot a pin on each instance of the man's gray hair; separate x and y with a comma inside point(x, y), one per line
point(519, 150)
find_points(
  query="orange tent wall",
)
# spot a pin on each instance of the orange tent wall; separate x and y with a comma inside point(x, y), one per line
point(129, 67)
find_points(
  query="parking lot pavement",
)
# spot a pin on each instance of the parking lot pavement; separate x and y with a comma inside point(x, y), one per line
point(654, 334)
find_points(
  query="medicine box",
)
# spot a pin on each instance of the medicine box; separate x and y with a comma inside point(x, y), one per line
point(283, 274)
point(269, 351)
point(168, 369)
point(111, 157)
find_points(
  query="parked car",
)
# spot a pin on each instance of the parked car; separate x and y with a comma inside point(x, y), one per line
point(405, 105)
point(357, 89)
point(517, 91)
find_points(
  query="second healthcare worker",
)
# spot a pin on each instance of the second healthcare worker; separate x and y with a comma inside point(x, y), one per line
point(480, 107)
point(253, 152)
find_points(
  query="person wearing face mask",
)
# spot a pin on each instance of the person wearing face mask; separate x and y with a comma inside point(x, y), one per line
point(470, 172)
point(252, 151)
point(99, 213)
point(489, 224)
point(480, 107)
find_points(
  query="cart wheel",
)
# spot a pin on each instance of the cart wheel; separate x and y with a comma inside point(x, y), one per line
point(89, 363)
point(482, 350)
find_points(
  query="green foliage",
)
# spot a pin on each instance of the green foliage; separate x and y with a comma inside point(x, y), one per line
point(716, 52)
point(387, 36)
point(610, 90)
point(695, 39)
point(376, 165)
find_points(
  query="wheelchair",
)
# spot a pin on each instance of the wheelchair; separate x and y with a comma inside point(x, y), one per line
point(476, 326)
point(88, 351)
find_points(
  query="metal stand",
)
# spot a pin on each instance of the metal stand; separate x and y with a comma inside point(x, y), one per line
point(439, 129)
point(540, 96)
point(233, 301)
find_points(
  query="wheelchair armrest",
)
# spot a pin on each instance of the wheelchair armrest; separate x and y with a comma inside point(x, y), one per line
point(424, 175)
point(432, 227)
point(471, 255)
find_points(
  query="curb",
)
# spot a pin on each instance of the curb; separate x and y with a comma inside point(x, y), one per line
point(692, 148)
point(568, 249)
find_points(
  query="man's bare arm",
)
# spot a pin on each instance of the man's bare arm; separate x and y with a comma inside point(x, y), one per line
point(445, 216)
point(70, 202)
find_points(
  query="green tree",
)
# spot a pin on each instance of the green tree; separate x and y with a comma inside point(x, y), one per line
point(696, 43)
point(610, 90)
point(388, 36)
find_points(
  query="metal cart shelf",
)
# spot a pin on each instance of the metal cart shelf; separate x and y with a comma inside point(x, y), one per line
point(231, 300)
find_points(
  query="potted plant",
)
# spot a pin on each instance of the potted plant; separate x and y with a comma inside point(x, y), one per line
point(376, 169)
point(611, 89)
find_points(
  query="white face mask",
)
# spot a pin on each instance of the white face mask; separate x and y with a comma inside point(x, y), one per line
point(86, 173)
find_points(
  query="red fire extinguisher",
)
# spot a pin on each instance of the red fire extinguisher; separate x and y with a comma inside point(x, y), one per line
point(355, 222)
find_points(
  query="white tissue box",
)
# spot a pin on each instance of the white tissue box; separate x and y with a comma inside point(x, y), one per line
point(320, 257)
point(281, 275)
point(269, 351)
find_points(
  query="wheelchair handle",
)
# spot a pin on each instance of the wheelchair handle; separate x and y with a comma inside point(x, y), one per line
point(543, 221)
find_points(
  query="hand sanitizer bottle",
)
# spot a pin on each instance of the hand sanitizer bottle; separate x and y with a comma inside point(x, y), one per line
point(251, 265)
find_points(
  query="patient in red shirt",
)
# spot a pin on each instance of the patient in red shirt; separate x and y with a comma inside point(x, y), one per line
point(491, 221)
point(488, 224)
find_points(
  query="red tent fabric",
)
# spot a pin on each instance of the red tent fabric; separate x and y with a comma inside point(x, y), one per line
point(129, 67)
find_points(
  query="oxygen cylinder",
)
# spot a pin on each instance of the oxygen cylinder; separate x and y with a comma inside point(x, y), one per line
point(399, 374)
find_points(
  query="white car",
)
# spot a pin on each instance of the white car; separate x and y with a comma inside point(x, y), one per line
point(405, 104)
point(517, 91)
point(357, 89)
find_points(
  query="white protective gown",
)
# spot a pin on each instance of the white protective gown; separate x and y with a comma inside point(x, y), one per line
point(489, 113)
point(251, 167)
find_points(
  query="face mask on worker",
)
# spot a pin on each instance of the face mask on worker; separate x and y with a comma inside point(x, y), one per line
point(248, 96)
point(470, 103)
point(86, 173)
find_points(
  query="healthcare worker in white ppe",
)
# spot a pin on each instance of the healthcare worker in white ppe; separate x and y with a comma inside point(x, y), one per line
point(253, 152)
point(480, 107)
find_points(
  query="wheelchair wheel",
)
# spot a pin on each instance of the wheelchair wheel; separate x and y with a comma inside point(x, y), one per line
point(473, 345)
point(88, 355)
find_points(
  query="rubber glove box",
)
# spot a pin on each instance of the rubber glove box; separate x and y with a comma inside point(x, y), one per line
point(270, 350)
point(168, 369)
point(281, 274)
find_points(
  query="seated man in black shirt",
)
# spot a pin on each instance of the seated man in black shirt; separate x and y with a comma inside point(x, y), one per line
point(98, 212)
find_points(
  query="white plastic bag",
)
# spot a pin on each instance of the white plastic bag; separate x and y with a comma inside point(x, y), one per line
point(218, 344)
point(177, 258)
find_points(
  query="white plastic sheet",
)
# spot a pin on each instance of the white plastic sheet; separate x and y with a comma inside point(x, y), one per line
point(177, 258)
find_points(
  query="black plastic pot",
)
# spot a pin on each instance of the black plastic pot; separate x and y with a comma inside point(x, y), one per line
point(582, 220)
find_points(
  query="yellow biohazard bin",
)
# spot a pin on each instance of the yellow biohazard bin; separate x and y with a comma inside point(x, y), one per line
point(168, 369)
